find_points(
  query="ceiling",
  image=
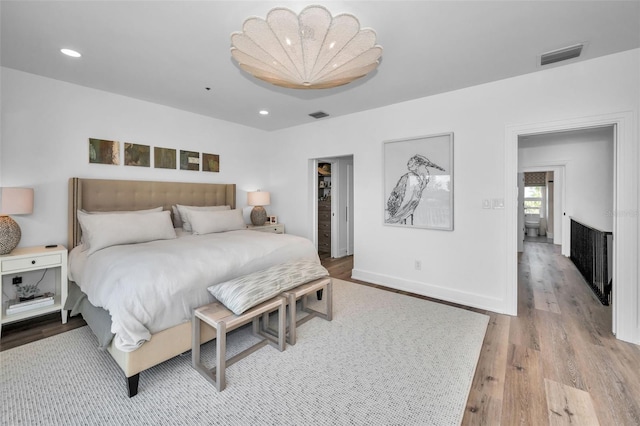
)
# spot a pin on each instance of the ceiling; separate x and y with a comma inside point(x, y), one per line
point(168, 52)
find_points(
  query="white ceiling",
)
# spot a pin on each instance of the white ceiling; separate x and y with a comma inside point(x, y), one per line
point(167, 52)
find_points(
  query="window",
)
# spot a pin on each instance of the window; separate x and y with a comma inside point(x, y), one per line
point(533, 199)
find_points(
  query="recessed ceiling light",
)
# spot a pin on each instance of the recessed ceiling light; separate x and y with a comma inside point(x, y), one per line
point(264, 112)
point(71, 53)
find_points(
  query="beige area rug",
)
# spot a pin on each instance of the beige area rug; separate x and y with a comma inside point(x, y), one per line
point(385, 359)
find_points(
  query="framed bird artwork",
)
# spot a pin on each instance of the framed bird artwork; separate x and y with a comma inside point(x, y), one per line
point(418, 182)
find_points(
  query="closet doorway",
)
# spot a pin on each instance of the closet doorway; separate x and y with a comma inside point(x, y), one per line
point(333, 189)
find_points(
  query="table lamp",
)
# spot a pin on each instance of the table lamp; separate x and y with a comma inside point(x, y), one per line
point(13, 201)
point(258, 199)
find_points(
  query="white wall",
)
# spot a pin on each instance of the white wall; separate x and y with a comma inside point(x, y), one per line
point(468, 265)
point(46, 125)
point(588, 156)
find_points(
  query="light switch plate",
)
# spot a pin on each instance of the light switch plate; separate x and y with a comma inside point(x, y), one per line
point(486, 204)
point(498, 203)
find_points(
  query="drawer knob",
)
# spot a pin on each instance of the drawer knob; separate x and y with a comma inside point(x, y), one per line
point(33, 262)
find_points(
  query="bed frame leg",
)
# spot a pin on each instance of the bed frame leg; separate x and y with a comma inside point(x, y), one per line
point(132, 384)
point(319, 294)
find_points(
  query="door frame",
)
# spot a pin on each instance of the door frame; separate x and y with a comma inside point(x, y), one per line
point(341, 187)
point(626, 297)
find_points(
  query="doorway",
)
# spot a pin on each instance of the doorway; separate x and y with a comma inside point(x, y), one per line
point(537, 206)
point(553, 198)
point(333, 205)
point(625, 198)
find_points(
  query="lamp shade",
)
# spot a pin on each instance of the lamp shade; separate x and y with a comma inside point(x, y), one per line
point(258, 198)
point(16, 201)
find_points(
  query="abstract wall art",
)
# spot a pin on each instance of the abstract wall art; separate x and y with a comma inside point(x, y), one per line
point(104, 152)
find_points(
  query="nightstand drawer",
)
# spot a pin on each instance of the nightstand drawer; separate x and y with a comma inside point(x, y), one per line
point(273, 229)
point(277, 228)
point(31, 262)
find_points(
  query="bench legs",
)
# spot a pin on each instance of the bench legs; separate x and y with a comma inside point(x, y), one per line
point(222, 320)
point(294, 322)
point(216, 375)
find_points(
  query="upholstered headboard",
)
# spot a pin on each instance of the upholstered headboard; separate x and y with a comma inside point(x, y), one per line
point(115, 195)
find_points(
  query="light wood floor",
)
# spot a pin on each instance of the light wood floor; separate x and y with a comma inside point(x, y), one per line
point(556, 363)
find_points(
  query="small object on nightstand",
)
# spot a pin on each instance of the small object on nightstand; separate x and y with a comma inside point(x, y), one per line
point(51, 246)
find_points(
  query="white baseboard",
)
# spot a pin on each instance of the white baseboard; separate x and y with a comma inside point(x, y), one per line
point(430, 290)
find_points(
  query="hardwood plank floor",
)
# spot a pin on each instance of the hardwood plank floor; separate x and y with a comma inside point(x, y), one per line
point(556, 363)
point(563, 358)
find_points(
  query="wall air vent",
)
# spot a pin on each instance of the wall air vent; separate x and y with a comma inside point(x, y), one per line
point(561, 54)
point(319, 114)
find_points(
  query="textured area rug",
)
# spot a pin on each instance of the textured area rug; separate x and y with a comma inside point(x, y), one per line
point(385, 359)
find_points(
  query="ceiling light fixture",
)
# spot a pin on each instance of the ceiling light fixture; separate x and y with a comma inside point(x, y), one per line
point(71, 53)
point(263, 112)
point(312, 50)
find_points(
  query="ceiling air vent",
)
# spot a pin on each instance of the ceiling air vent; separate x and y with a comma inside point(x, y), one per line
point(561, 54)
point(319, 114)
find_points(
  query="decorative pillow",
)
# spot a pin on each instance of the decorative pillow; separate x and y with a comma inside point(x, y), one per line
point(245, 292)
point(208, 222)
point(106, 230)
point(186, 225)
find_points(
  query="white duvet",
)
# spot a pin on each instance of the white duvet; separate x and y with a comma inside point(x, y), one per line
point(152, 286)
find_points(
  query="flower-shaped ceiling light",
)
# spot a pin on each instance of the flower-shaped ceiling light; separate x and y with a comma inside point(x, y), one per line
point(312, 50)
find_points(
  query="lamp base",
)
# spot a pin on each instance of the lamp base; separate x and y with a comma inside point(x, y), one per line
point(258, 216)
point(10, 234)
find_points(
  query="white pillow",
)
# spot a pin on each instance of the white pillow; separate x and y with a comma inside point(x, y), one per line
point(186, 225)
point(207, 222)
point(106, 230)
point(82, 240)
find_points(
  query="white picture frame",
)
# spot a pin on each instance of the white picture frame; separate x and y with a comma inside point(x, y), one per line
point(418, 182)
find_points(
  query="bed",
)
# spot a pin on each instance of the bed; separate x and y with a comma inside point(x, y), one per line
point(141, 330)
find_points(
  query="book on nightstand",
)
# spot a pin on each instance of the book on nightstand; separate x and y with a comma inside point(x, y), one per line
point(15, 306)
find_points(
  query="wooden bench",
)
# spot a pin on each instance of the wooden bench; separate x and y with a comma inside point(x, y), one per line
point(301, 292)
point(223, 320)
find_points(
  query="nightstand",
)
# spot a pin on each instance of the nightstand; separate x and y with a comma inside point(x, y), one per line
point(278, 228)
point(27, 259)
